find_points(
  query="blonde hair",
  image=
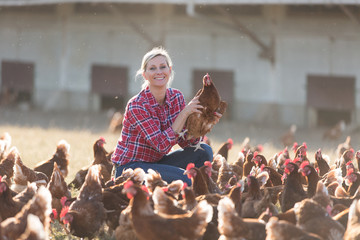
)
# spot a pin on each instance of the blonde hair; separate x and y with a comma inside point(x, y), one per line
point(156, 51)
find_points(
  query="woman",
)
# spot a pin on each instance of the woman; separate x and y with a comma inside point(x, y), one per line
point(152, 122)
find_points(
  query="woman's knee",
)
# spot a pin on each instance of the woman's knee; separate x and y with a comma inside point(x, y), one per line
point(208, 152)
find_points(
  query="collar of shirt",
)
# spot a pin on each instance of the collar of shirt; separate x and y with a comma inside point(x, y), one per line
point(152, 100)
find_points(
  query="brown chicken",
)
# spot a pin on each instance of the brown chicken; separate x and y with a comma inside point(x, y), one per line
point(153, 179)
point(224, 148)
point(7, 165)
point(312, 178)
point(150, 226)
point(34, 229)
point(58, 188)
point(232, 226)
point(346, 157)
point(102, 157)
point(342, 147)
point(86, 214)
point(5, 143)
point(115, 124)
point(199, 124)
point(163, 204)
point(9, 207)
point(353, 227)
point(336, 131)
point(293, 190)
point(206, 171)
point(39, 205)
point(61, 157)
point(321, 163)
point(312, 217)
point(288, 138)
point(197, 179)
point(24, 174)
point(352, 180)
point(283, 230)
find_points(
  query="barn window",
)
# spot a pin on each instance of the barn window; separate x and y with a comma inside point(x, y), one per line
point(224, 82)
point(110, 83)
point(332, 97)
point(17, 82)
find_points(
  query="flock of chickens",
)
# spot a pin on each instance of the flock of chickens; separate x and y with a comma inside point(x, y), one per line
point(253, 197)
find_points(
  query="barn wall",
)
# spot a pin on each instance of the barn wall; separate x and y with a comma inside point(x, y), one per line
point(64, 45)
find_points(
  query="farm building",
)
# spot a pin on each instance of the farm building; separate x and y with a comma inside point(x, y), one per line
point(273, 61)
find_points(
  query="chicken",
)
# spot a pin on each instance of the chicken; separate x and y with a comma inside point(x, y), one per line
point(34, 229)
point(312, 217)
point(7, 165)
point(288, 138)
point(197, 179)
point(336, 131)
point(232, 226)
point(353, 227)
point(199, 124)
point(312, 178)
point(115, 124)
point(346, 157)
point(163, 204)
point(188, 201)
point(248, 164)
point(9, 207)
point(39, 205)
point(224, 148)
point(283, 230)
point(61, 157)
point(24, 174)
point(206, 171)
point(5, 143)
point(58, 188)
point(225, 173)
point(125, 230)
point(322, 163)
point(86, 214)
point(293, 190)
point(153, 179)
point(352, 180)
point(150, 226)
point(101, 156)
point(342, 147)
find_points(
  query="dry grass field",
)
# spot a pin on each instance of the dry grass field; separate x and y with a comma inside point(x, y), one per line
point(36, 134)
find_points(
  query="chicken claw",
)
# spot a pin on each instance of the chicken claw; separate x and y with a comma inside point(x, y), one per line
point(197, 146)
point(182, 134)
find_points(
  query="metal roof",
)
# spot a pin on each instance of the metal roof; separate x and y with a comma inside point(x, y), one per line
point(187, 2)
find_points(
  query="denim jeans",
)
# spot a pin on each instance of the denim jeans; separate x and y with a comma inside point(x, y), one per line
point(172, 166)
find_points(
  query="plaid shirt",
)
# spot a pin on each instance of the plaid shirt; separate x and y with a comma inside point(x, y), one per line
point(147, 134)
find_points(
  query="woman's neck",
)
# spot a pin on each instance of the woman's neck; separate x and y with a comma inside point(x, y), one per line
point(159, 94)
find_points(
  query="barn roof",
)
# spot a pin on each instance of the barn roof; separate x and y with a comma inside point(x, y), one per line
point(192, 2)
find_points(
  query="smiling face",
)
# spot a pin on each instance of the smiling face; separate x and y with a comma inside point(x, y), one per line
point(157, 72)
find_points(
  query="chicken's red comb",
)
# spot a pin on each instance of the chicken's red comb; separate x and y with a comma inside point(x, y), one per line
point(262, 167)
point(287, 161)
point(255, 154)
point(279, 153)
point(208, 163)
point(348, 163)
point(230, 141)
point(304, 144)
point(63, 200)
point(296, 160)
point(185, 185)
point(0, 178)
point(144, 188)
point(349, 171)
point(54, 212)
point(295, 146)
point(260, 147)
point(128, 184)
point(64, 211)
point(304, 164)
point(165, 189)
point(352, 150)
point(190, 166)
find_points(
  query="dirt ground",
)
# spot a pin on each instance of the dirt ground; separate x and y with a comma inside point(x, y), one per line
point(258, 134)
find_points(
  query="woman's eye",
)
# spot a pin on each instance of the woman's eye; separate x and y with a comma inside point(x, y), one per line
point(152, 68)
point(163, 67)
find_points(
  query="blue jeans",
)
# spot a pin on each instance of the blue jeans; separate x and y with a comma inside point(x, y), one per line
point(172, 166)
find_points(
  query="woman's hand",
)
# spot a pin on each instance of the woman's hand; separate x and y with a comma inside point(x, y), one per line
point(193, 106)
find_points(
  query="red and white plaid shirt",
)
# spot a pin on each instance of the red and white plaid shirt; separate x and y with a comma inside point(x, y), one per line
point(147, 134)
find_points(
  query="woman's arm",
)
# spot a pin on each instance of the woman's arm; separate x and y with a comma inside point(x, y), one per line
point(192, 107)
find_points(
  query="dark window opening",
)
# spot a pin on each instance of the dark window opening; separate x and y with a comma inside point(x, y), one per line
point(328, 118)
point(117, 103)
